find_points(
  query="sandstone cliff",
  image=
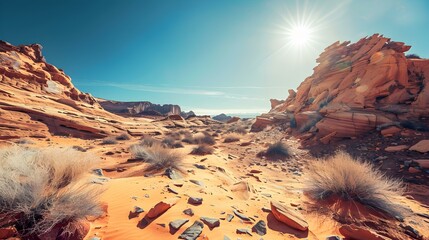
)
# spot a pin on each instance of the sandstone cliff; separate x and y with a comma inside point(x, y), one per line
point(357, 88)
point(139, 108)
point(37, 100)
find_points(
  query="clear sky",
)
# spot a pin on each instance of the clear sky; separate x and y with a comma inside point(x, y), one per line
point(215, 56)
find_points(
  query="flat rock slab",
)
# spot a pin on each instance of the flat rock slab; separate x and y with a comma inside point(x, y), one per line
point(422, 146)
point(195, 200)
point(176, 224)
point(199, 183)
point(211, 222)
point(161, 207)
point(243, 231)
point(288, 216)
point(354, 232)
point(260, 228)
point(396, 148)
point(240, 215)
point(192, 232)
point(188, 212)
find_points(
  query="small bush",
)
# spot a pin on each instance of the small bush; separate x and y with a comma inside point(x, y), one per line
point(351, 179)
point(232, 137)
point(278, 150)
point(109, 141)
point(202, 150)
point(43, 188)
point(188, 139)
point(178, 145)
point(123, 137)
point(174, 135)
point(168, 142)
point(149, 141)
point(237, 129)
point(203, 138)
point(157, 157)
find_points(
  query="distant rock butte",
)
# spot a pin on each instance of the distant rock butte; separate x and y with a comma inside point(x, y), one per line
point(142, 108)
point(39, 100)
point(355, 89)
point(222, 117)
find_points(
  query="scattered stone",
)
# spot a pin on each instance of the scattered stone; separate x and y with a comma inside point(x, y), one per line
point(192, 232)
point(333, 238)
point(424, 215)
point(173, 174)
point(161, 207)
point(146, 195)
point(240, 215)
point(396, 148)
point(161, 224)
point(138, 209)
point(260, 228)
point(288, 216)
point(243, 231)
point(414, 170)
point(390, 131)
point(172, 190)
point(199, 166)
point(266, 209)
point(7, 232)
point(422, 146)
point(195, 200)
point(199, 183)
point(423, 163)
point(178, 184)
point(188, 212)
point(211, 222)
point(98, 172)
point(177, 224)
point(229, 217)
point(255, 171)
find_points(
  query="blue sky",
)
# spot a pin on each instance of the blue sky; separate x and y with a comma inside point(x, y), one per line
point(227, 56)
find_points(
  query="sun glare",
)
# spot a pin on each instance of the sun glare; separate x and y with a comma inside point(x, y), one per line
point(299, 35)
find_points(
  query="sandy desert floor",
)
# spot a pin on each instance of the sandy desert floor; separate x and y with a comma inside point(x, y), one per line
point(231, 179)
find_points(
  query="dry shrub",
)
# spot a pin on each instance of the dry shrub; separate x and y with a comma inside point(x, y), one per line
point(45, 187)
point(278, 150)
point(109, 141)
point(202, 150)
point(203, 138)
point(158, 157)
point(174, 135)
point(123, 137)
point(232, 137)
point(351, 179)
point(149, 141)
point(168, 142)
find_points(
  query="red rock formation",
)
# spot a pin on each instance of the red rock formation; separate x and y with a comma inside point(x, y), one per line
point(359, 87)
point(38, 100)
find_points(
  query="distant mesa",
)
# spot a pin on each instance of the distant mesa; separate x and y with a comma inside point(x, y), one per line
point(356, 88)
point(142, 108)
point(222, 117)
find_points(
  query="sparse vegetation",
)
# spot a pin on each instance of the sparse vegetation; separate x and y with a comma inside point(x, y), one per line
point(232, 137)
point(24, 141)
point(149, 141)
point(79, 148)
point(43, 188)
point(202, 149)
point(351, 179)
point(203, 138)
point(109, 141)
point(123, 137)
point(158, 157)
point(278, 151)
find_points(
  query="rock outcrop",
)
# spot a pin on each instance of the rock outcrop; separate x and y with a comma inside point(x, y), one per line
point(139, 108)
point(358, 88)
point(39, 100)
point(222, 117)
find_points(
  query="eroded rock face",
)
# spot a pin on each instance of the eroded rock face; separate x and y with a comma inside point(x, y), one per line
point(359, 87)
point(39, 100)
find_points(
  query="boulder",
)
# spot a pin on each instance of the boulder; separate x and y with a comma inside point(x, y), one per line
point(260, 124)
point(288, 216)
point(397, 148)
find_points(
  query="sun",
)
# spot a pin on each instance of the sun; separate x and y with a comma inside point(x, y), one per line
point(300, 35)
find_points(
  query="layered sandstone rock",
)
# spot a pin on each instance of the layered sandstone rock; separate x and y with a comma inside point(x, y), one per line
point(358, 88)
point(39, 100)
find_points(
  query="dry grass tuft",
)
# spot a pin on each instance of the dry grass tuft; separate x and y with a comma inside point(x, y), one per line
point(24, 141)
point(123, 137)
point(202, 150)
point(203, 138)
point(278, 150)
point(231, 137)
point(158, 157)
point(351, 179)
point(109, 141)
point(45, 187)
